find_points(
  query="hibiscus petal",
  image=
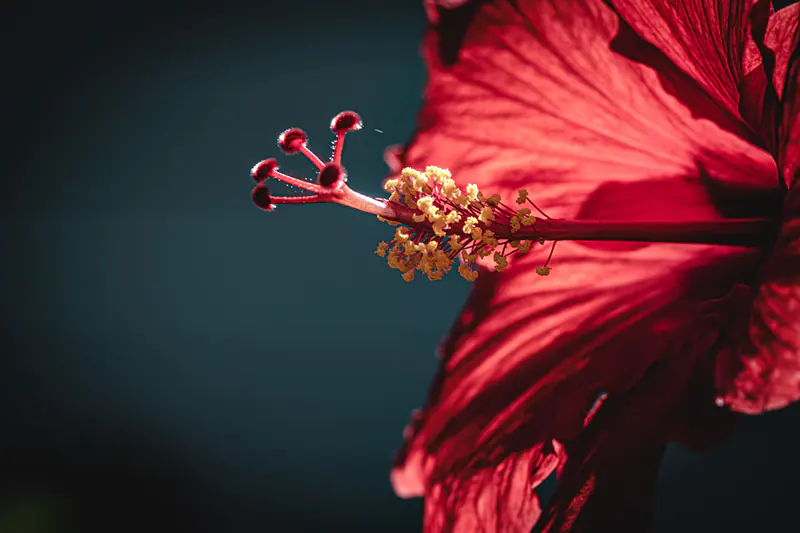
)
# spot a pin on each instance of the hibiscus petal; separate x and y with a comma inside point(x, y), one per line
point(704, 38)
point(760, 369)
point(531, 96)
point(780, 40)
point(765, 66)
point(608, 480)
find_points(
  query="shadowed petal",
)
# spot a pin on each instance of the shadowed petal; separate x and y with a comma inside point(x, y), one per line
point(607, 483)
point(760, 368)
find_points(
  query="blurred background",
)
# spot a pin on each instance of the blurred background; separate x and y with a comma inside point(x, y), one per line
point(174, 359)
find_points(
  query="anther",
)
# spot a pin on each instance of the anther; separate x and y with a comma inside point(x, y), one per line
point(264, 170)
point(331, 174)
point(262, 198)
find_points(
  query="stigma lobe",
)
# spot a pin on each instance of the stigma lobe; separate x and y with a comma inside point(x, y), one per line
point(331, 174)
point(292, 140)
point(346, 121)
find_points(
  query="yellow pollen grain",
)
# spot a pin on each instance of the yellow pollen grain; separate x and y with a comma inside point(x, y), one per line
point(452, 217)
point(472, 192)
point(401, 234)
point(489, 238)
point(500, 261)
point(469, 224)
point(487, 215)
point(467, 273)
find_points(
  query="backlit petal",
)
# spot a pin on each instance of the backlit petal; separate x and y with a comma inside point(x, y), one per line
point(534, 98)
point(531, 96)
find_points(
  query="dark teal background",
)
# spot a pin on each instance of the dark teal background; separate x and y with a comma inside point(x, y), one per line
point(175, 359)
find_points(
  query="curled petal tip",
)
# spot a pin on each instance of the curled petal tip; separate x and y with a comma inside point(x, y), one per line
point(263, 170)
point(346, 121)
point(291, 140)
point(331, 174)
point(262, 199)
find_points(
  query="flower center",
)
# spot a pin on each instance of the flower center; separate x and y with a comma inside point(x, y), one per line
point(439, 223)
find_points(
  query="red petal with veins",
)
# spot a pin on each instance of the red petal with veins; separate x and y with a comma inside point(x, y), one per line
point(704, 38)
point(529, 94)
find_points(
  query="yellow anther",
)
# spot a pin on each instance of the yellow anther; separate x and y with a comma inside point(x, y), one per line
point(489, 238)
point(419, 218)
point(472, 192)
point(438, 226)
point(381, 249)
point(493, 200)
point(543, 270)
point(501, 262)
point(469, 224)
point(467, 273)
point(514, 224)
point(452, 217)
point(462, 201)
point(401, 234)
point(449, 189)
point(487, 215)
point(485, 251)
point(455, 245)
point(523, 196)
point(469, 258)
point(391, 185)
point(425, 204)
point(522, 246)
point(476, 233)
point(438, 175)
point(408, 276)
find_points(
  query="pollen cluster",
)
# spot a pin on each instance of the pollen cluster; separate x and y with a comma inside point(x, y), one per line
point(450, 224)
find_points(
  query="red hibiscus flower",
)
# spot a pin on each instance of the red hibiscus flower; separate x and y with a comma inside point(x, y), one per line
point(672, 127)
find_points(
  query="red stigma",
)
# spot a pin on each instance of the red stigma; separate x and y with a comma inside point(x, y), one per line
point(261, 198)
point(331, 174)
point(264, 170)
point(292, 140)
point(346, 121)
